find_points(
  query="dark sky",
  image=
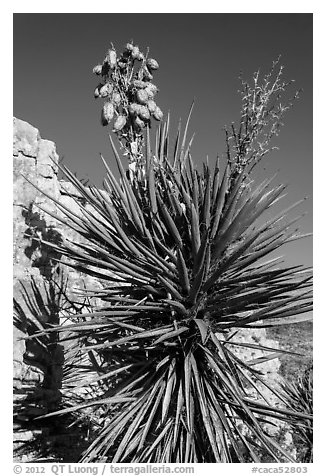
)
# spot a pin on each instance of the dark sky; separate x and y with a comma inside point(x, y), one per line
point(200, 55)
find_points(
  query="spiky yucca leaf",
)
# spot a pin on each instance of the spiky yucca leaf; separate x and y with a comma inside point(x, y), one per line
point(299, 398)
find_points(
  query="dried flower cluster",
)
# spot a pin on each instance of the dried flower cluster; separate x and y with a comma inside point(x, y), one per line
point(261, 118)
point(126, 85)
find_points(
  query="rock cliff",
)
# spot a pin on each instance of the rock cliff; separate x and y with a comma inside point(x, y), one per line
point(41, 286)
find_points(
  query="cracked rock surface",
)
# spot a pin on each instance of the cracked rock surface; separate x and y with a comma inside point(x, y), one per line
point(37, 370)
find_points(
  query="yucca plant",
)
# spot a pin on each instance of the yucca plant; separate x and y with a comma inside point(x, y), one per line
point(299, 397)
point(183, 258)
point(39, 308)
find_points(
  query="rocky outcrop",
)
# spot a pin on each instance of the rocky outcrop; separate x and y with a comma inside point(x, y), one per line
point(41, 286)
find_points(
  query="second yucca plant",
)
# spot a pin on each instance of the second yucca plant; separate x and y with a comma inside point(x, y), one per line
point(183, 260)
point(299, 397)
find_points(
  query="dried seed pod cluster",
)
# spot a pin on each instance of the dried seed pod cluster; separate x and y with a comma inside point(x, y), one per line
point(128, 91)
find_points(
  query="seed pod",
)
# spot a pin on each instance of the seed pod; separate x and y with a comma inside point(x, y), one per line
point(139, 123)
point(151, 91)
point(135, 52)
point(152, 87)
point(144, 113)
point(146, 74)
point(104, 122)
point(106, 90)
point(134, 108)
point(152, 64)
point(108, 111)
point(111, 58)
point(158, 114)
point(140, 57)
point(142, 96)
point(120, 123)
point(151, 106)
point(138, 84)
point(97, 91)
point(97, 69)
point(116, 99)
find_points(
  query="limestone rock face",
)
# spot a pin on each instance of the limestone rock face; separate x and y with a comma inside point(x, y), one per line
point(36, 300)
point(32, 161)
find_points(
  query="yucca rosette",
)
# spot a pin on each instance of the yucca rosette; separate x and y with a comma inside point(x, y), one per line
point(183, 257)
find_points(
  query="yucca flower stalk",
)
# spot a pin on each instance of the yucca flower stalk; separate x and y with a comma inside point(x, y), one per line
point(183, 258)
point(129, 98)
